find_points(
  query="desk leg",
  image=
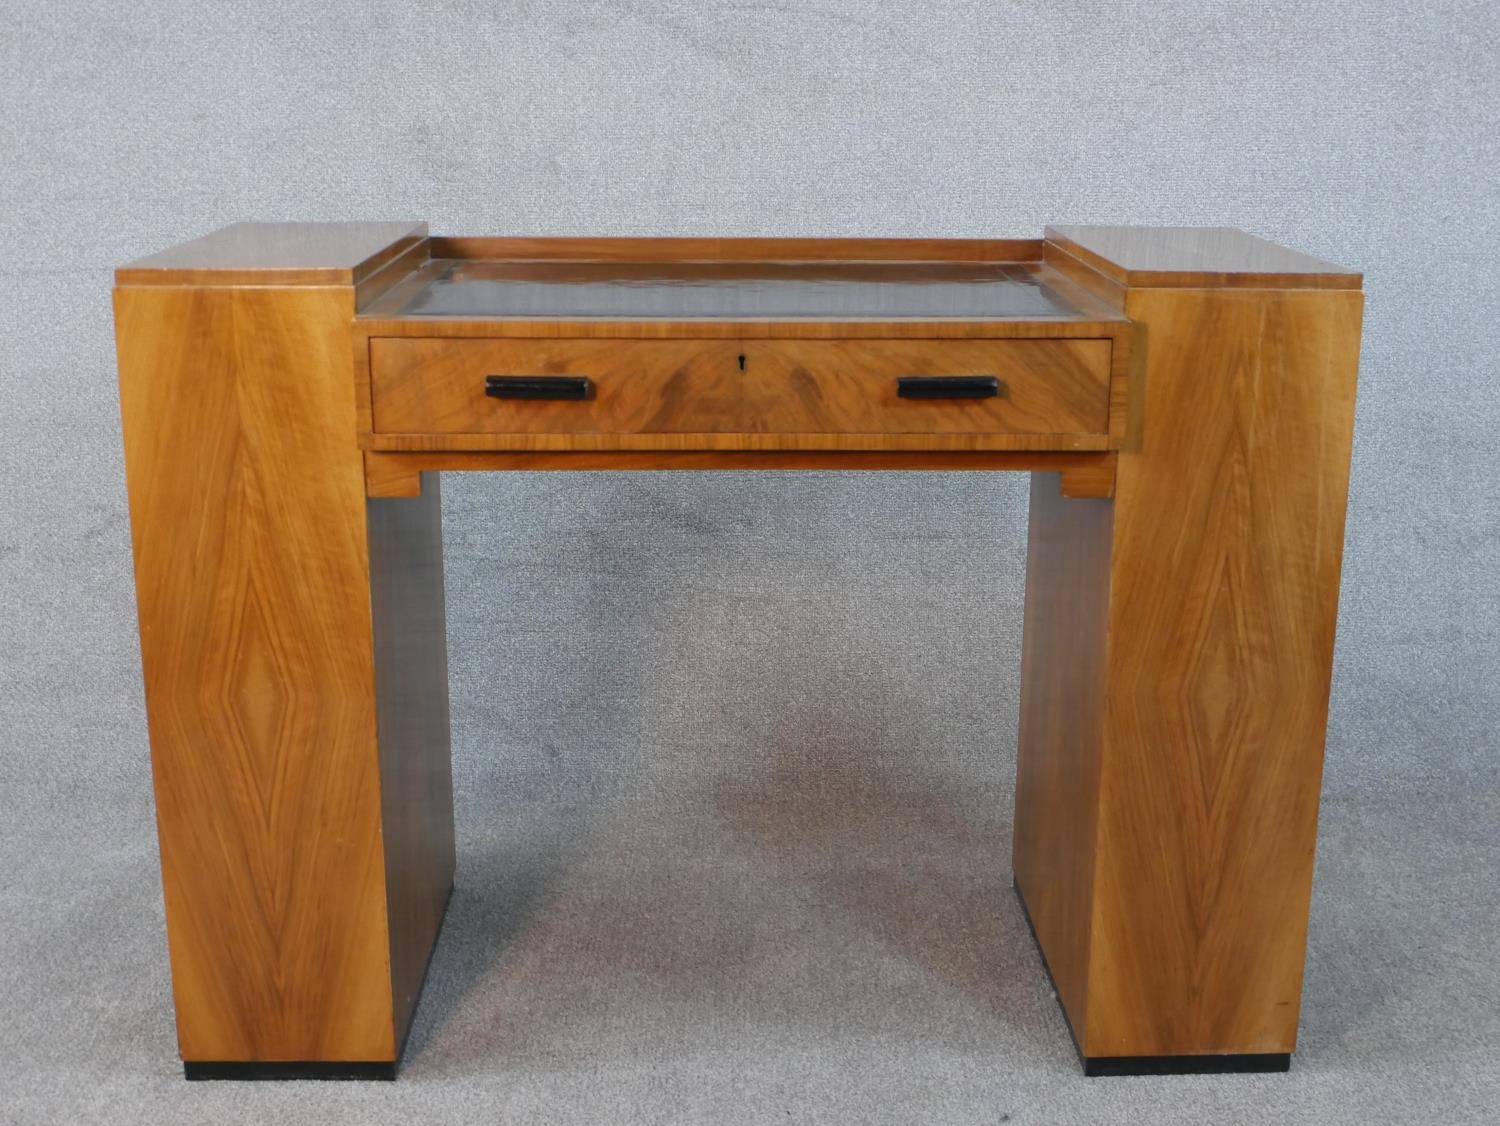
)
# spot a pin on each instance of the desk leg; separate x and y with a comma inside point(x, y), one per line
point(416, 766)
point(1177, 658)
point(306, 826)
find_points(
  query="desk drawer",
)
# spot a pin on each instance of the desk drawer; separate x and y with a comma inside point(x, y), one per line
point(438, 386)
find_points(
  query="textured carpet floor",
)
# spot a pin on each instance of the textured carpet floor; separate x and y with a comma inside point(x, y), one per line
point(816, 944)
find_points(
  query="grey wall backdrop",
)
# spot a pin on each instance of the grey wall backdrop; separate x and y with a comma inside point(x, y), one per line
point(734, 753)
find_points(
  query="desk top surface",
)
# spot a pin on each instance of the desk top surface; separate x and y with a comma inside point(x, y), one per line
point(730, 278)
point(734, 290)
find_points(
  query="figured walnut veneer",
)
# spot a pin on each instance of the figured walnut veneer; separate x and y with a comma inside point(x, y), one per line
point(299, 910)
point(1177, 656)
point(1054, 393)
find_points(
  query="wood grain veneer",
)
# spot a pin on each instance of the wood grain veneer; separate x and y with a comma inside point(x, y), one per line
point(726, 387)
point(753, 290)
point(402, 474)
point(1229, 529)
point(739, 249)
point(1098, 286)
point(1063, 664)
point(1222, 594)
point(1180, 606)
point(251, 586)
point(372, 284)
point(1191, 257)
point(278, 254)
point(254, 576)
point(411, 708)
point(739, 442)
point(378, 323)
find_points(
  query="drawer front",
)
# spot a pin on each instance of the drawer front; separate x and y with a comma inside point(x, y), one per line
point(1047, 386)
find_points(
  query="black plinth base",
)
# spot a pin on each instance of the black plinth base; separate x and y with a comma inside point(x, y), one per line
point(319, 1069)
point(1186, 1065)
point(250, 1071)
point(1240, 1063)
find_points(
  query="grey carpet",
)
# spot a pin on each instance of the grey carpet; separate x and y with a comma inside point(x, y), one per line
point(734, 753)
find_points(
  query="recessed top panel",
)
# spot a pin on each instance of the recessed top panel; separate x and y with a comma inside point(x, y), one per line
point(731, 290)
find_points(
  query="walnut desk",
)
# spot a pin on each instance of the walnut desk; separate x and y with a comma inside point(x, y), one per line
point(1183, 399)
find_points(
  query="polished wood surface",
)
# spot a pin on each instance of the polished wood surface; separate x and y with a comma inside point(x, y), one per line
point(1222, 594)
point(762, 290)
point(372, 284)
point(740, 442)
point(1067, 269)
point(623, 287)
point(285, 413)
point(381, 319)
point(401, 474)
point(693, 397)
point(740, 249)
point(769, 297)
point(247, 514)
point(1063, 659)
point(305, 826)
point(1192, 257)
point(1229, 526)
point(280, 254)
point(728, 387)
point(411, 708)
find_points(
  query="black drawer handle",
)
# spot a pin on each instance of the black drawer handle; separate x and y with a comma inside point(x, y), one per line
point(539, 386)
point(947, 387)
